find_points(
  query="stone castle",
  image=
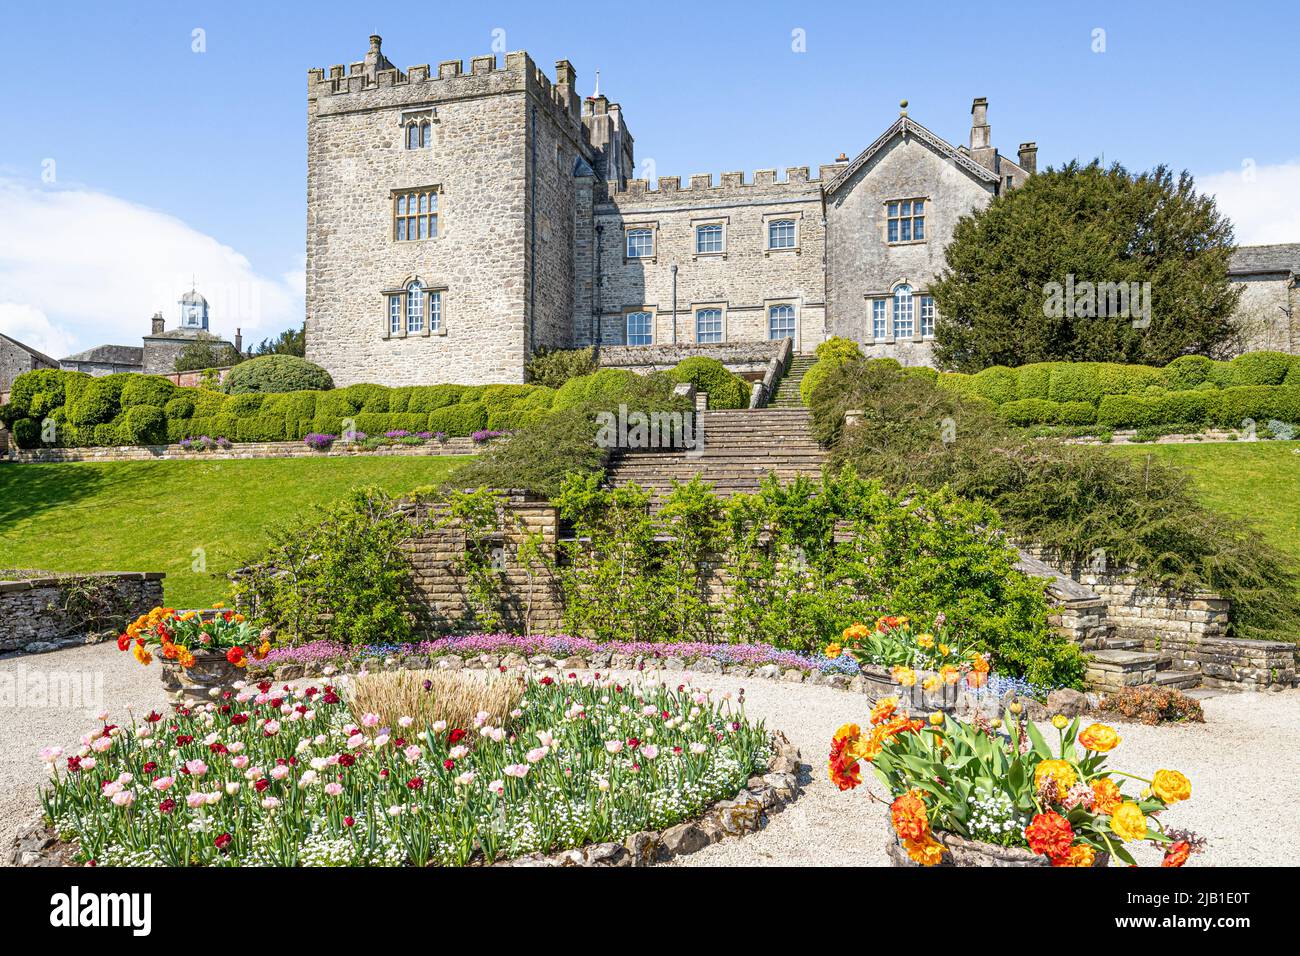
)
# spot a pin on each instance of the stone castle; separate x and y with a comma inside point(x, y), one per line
point(458, 220)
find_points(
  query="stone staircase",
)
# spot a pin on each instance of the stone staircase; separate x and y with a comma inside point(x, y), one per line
point(1125, 662)
point(1113, 662)
point(741, 448)
point(787, 392)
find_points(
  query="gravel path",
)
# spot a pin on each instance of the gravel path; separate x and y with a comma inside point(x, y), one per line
point(1241, 762)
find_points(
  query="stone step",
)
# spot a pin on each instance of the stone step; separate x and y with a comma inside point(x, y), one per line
point(1178, 679)
point(1123, 644)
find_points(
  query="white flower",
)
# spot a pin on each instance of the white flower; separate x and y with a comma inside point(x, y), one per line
point(614, 746)
point(698, 748)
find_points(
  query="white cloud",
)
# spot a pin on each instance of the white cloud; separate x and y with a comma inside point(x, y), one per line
point(1263, 202)
point(80, 268)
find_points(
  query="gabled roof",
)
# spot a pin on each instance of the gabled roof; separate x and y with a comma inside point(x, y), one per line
point(906, 126)
point(29, 350)
point(110, 355)
point(1283, 257)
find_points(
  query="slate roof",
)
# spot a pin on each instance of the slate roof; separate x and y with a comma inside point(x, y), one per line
point(183, 334)
point(1282, 257)
point(110, 355)
point(907, 126)
point(29, 350)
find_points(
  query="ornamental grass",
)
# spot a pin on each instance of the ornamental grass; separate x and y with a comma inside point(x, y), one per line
point(270, 775)
point(428, 696)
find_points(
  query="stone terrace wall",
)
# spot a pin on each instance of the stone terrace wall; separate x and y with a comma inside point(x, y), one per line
point(40, 611)
point(443, 588)
point(270, 449)
point(739, 357)
point(1192, 628)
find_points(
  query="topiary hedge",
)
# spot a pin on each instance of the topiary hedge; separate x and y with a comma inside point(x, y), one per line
point(1192, 390)
point(725, 389)
point(276, 373)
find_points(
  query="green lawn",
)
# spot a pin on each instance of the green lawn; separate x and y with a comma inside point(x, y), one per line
point(1259, 481)
point(151, 515)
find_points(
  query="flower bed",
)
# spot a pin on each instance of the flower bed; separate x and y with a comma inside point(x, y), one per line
point(270, 776)
point(582, 652)
point(997, 793)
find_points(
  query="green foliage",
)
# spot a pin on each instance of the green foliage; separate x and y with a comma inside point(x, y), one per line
point(204, 352)
point(427, 398)
point(996, 383)
point(276, 373)
point(1033, 381)
point(147, 390)
point(341, 573)
point(180, 407)
point(1262, 368)
point(100, 400)
point(1099, 225)
point(838, 349)
point(1069, 499)
point(1074, 382)
point(27, 433)
point(725, 389)
point(554, 367)
point(539, 455)
point(796, 583)
point(1029, 411)
point(288, 342)
point(143, 425)
point(1188, 371)
point(458, 420)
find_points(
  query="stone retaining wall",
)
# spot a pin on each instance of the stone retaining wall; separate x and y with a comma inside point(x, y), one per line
point(269, 449)
point(42, 611)
point(530, 597)
point(739, 357)
point(1191, 628)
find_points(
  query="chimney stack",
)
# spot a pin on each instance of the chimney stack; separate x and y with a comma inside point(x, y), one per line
point(981, 135)
point(158, 323)
point(1029, 157)
point(239, 341)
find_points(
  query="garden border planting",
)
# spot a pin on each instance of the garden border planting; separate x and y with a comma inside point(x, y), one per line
point(279, 449)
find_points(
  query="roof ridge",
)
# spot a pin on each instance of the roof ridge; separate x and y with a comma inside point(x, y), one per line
point(29, 350)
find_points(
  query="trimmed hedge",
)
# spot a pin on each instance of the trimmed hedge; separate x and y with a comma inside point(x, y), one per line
point(725, 389)
point(276, 373)
point(1192, 390)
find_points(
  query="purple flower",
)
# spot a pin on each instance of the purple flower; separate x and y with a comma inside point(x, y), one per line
point(318, 441)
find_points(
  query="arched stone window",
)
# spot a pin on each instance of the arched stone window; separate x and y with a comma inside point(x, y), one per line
point(415, 307)
point(904, 320)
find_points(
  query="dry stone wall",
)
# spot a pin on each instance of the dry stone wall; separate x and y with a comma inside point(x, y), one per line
point(42, 611)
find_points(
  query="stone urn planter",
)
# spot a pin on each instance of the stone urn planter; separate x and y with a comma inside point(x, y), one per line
point(963, 852)
point(195, 684)
point(915, 698)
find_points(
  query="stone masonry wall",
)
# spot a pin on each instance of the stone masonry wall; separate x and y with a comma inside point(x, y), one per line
point(356, 159)
point(744, 280)
point(861, 265)
point(1266, 315)
point(1192, 628)
point(739, 357)
point(14, 361)
point(442, 588)
point(38, 608)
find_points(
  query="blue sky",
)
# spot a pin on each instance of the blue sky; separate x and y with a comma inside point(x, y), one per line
point(201, 156)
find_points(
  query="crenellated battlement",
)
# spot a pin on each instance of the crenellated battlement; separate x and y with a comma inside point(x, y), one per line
point(730, 184)
point(451, 79)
